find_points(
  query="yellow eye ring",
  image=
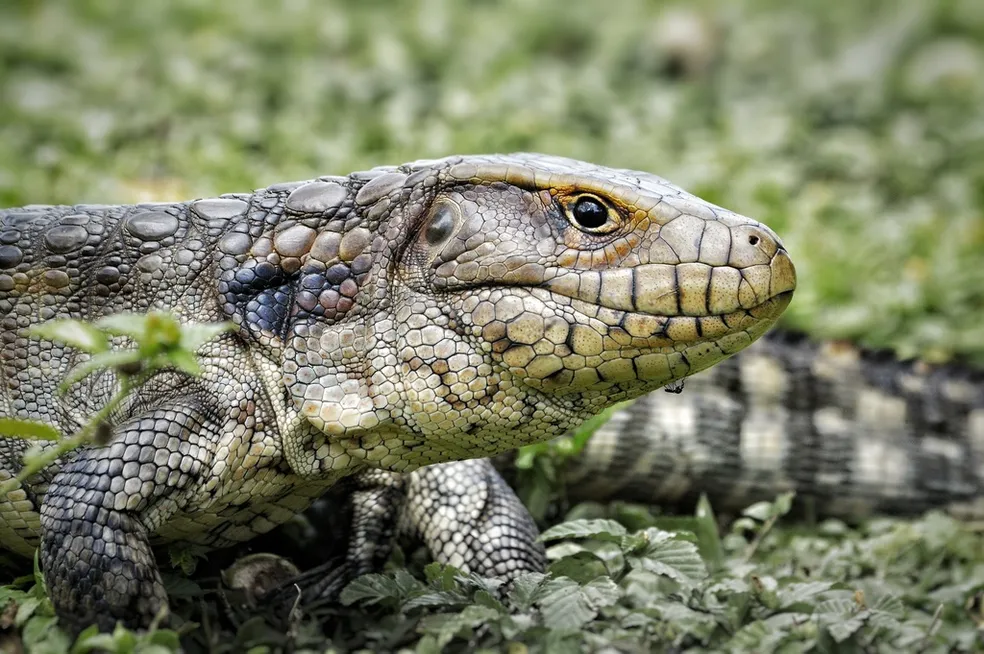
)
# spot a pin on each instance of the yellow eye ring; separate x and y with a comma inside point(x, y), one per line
point(591, 214)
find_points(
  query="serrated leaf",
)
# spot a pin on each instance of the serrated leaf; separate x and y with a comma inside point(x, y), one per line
point(783, 503)
point(666, 556)
point(179, 586)
point(799, 593)
point(564, 605)
point(28, 429)
point(634, 542)
point(124, 639)
point(370, 589)
point(445, 626)
point(602, 591)
point(580, 567)
point(842, 630)
point(407, 584)
point(484, 598)
point(94, 642)
point(525, 588)
point(888, 604)
point(600, 528)
point(435, 598)
point(475, 581)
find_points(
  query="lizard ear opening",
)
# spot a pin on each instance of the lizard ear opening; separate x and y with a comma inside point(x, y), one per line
point(442, 223)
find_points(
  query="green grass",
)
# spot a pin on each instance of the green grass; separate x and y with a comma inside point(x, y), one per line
point(855, 129)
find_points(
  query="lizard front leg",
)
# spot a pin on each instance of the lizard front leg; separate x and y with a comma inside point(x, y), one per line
point(99, 513)
point(462, 511)
point(469, 517)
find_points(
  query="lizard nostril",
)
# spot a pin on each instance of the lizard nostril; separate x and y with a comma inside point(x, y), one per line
point(753, 240)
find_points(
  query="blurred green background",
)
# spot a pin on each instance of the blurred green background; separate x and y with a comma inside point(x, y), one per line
point(855, 129)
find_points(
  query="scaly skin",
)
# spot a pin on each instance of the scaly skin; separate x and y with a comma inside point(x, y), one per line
point(854, 433)
point(438, 311)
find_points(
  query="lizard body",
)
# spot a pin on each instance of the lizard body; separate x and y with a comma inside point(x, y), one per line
point(440, 311)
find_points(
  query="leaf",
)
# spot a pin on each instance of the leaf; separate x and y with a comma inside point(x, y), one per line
point(844, 629)
point(763, 511)
point(154, 648)
point(801, 593)
point(581, 567)
point(370, 589)
point(435, 598)
point(564, 605)
point(708, 537)
point(134, 325)
point(599, 528)
point(100, 361)
point(184, 361)
point(888, 604)
point(602, 591)
point(178, 586)
point(124, 639)
point(74, 333)
point(28, 429)
point(41, 635)
point(26, 609)
point(166, 638)
point(196, 334)
point(442, 576)
point(93, 641)
point(445, 626)
point(525, 588)
point(676, 559)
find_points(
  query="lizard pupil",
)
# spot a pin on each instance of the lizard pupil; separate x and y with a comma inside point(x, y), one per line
point(440, 226)
point(590, 213)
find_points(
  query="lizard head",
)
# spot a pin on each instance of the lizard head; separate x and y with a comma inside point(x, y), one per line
point(502, 300)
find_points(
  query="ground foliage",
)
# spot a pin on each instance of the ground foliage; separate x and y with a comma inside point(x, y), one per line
point(854, 129)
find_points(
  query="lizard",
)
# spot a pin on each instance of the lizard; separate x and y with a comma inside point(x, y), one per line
point(441, 311)
point(854, 432)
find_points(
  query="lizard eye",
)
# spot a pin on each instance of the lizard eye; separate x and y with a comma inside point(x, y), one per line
point(590, 214)
point(441, 225)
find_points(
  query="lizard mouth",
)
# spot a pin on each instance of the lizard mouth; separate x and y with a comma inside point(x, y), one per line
point(695, 289)
point(644, 331)
point(637, 326)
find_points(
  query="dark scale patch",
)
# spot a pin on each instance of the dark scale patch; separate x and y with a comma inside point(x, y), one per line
point(257, 294)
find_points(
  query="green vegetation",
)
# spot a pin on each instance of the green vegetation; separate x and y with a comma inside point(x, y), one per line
point(854, 129)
